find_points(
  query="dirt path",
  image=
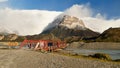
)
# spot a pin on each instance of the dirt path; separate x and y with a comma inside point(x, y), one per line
point(33, 59)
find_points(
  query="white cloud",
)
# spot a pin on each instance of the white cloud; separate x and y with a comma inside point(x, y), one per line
point(79, 11)
point(100, 25)
point(97, 23)
point(26, 22)
point(29, 22)
point(3, 0)
point(3, 3)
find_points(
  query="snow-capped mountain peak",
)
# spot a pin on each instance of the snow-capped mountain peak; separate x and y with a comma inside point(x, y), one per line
point(72, 22)
point(67, 21)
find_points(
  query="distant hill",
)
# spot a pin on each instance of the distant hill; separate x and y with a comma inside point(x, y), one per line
point(11, 37)
point(110, 35)
point(42, 37)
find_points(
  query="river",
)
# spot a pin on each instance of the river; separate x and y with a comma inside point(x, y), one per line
point(115, 54)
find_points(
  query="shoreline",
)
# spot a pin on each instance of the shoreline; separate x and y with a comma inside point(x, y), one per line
point(90, 45)
point(72, 53)
point(35, 59)
point(95, 45)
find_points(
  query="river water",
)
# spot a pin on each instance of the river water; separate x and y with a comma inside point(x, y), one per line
point(115, 54)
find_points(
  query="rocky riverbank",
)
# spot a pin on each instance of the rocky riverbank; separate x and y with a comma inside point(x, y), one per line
point(95, 45)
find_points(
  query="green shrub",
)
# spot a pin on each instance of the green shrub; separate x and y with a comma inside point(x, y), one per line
point(101, 56)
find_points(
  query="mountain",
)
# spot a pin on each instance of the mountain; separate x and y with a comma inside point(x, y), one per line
point(7, 35)
point(71, 22)
point(66, 21)
point(11, 37)
point(49, 36)
point(68, 27)
point(110, 35)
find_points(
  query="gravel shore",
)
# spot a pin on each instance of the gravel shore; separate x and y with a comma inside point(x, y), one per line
point(34, 59)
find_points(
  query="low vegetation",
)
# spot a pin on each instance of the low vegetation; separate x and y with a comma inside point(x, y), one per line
point(101, 56)
point(97, 56)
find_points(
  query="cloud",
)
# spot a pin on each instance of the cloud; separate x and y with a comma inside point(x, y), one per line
point(3, 0)
point(79, 11)
point(29, 22)
point(3, 3)
point(26, 22)
point(96, 22)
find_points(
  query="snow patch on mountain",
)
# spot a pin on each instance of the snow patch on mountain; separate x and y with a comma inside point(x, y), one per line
point(67, 21)
point(72, 22)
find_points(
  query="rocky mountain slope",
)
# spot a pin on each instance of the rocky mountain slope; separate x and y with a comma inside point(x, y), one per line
point(70, 28)
point(11, 37)
point(110, 35)
point(49, 36)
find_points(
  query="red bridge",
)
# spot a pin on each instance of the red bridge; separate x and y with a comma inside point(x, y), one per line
point(43, 44)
